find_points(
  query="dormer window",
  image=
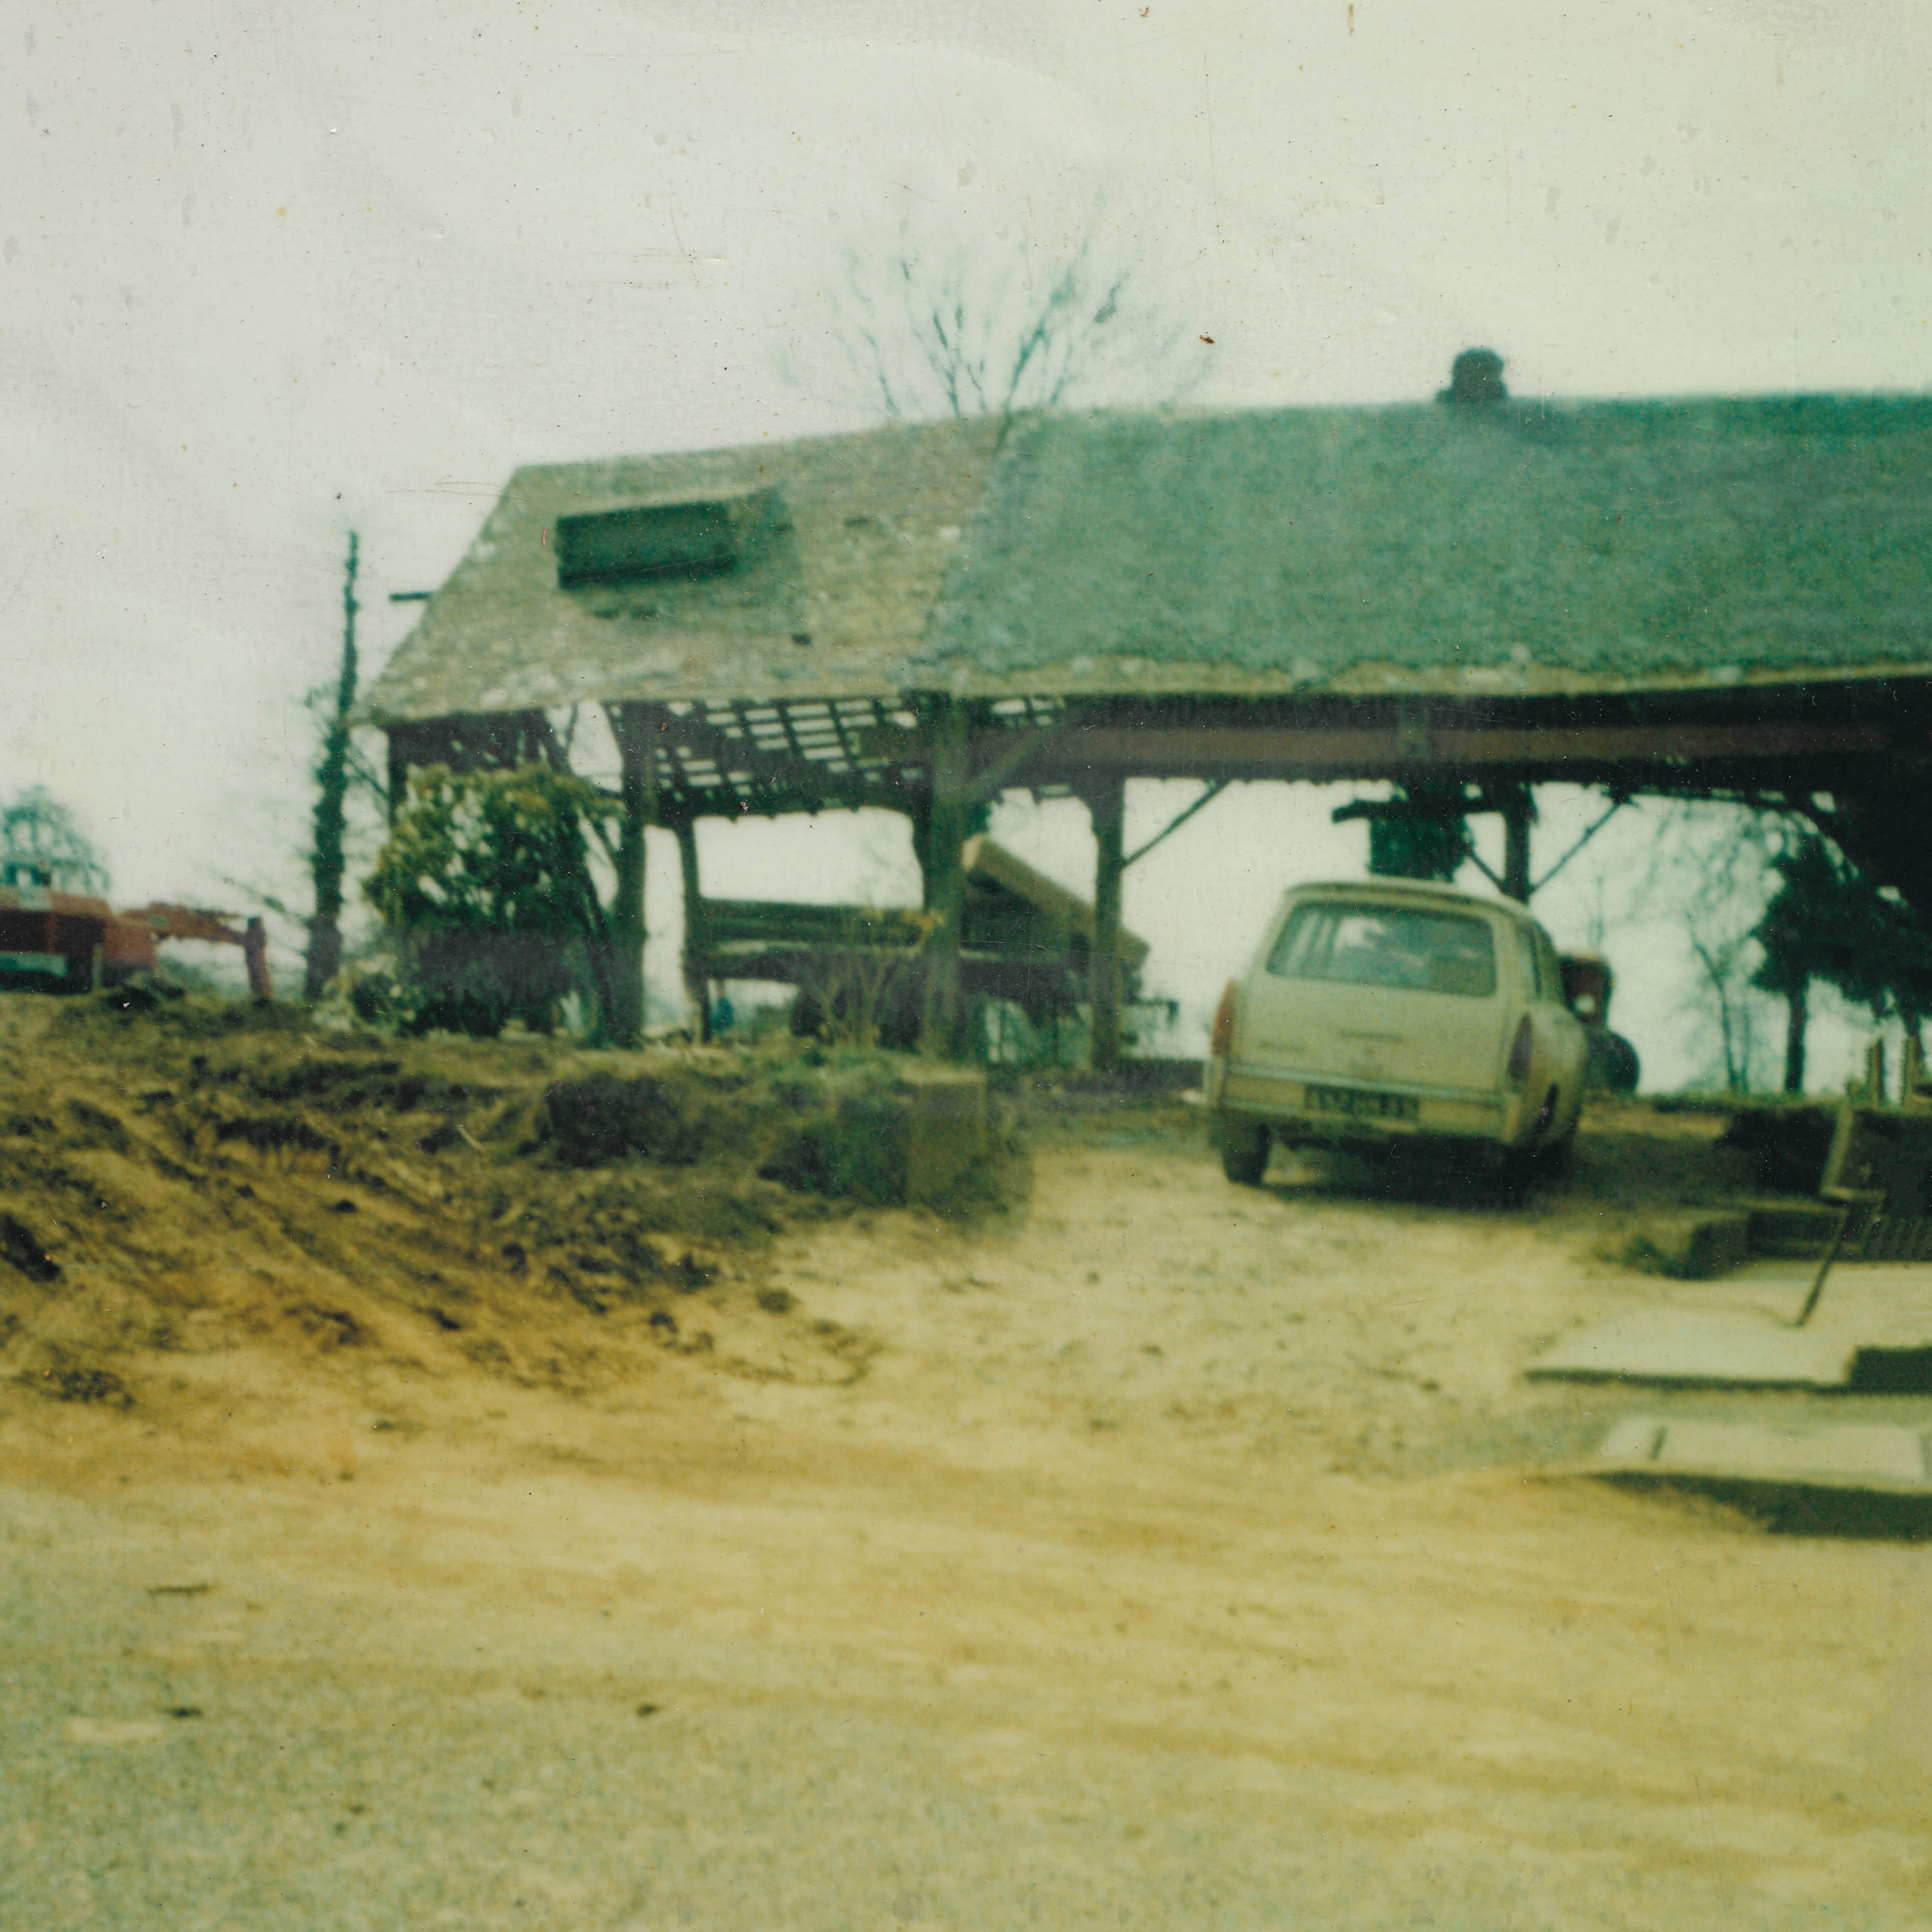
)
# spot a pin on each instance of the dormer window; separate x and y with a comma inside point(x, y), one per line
point(664, 537)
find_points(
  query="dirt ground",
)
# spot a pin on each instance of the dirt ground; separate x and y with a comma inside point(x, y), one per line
point(1163, 1553)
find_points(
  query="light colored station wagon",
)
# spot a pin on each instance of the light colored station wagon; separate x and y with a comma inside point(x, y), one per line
point(1393, 1012)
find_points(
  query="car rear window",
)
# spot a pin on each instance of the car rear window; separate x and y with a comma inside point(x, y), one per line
point(1403, 946)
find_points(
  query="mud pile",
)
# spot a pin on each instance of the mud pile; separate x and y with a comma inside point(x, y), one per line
point(180, 1182)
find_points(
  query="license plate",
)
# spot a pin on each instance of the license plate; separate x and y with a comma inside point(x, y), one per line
point(1362, 1103)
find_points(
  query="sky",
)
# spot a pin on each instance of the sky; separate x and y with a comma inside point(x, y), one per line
point(271, 273)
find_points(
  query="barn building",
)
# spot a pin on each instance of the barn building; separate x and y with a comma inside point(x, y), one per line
point(1703, 597)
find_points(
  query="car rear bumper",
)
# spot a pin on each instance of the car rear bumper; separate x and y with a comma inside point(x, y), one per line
point(1242, 1096)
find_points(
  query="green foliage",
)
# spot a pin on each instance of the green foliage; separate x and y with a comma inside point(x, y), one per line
point(500, 851)
point(40, 843)
point(486, 886)
point(1415, 848)
point(326, 863)
point(1430, 840)
point(1798, 931)
point(1829, 920)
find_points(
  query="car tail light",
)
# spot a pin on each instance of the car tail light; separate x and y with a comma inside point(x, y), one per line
point(1222, 1037)
point(1519, 1048)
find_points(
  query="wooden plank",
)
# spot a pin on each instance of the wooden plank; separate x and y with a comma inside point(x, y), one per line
point(989, 862)
point(742, 764)
point(779, 922)
point(1018, 751)
point(1890, 1459)
point(1703, 1348)
point(1209, 752)
point(1067, 753)
point(1884, 1150)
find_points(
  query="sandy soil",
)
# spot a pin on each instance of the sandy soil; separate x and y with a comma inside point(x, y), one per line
point(1170, 1554)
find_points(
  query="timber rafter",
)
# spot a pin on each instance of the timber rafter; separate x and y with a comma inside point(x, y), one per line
point(732, 759)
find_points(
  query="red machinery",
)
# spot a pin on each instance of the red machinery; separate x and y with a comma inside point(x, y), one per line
point(1588, 984)
point(68, 941)
point(53, 939)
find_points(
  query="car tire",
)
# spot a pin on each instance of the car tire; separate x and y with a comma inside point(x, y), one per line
point(1245, 1162)
point(1516, 1173)
point(1521, 1168)
point(1553, 1160)
point(1612, 1066)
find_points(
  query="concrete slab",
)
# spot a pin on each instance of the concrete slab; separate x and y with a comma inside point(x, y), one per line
point(1747, 1348)
point(1873, 1330)
point(1874, 1459)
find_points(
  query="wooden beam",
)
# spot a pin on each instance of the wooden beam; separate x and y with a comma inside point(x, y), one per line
point(945, 872)
point(697, 929)
point(735, 922)
point(634, 727)
point(1595, 825)
point(1106, 805)
point(401, 745)
point(1018, 749)
point(1519, 813)
point(1330, 751)
point(1879, 818)
point(1216, 787)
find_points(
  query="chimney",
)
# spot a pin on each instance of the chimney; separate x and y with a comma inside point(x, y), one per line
point(1475, 378)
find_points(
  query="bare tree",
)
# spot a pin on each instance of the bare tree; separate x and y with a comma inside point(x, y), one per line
point(974, 333)
point(865, 990)
point(1711, 865)
point(1725, 968)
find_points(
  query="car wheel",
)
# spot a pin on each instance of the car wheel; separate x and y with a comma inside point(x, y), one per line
point(1247, 1162)
point(1515, 1172)
point(1520, 1167)
point(1553, 1159)
point(1621, 1067)
point(1611, 1066)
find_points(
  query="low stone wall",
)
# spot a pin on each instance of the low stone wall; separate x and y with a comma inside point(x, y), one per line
point(885, 1129)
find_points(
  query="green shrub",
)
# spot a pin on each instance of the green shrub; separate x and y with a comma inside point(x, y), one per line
point(484, 884)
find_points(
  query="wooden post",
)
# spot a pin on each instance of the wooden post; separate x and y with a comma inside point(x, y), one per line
point(634, 727)
point(399, 772)
point(697, 947)
point(1519, 811)
point(919, 816)
point(1797, 1020)
point(1106, 805)
point(1879, 820)
point(950, 814)
point(255, 951)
